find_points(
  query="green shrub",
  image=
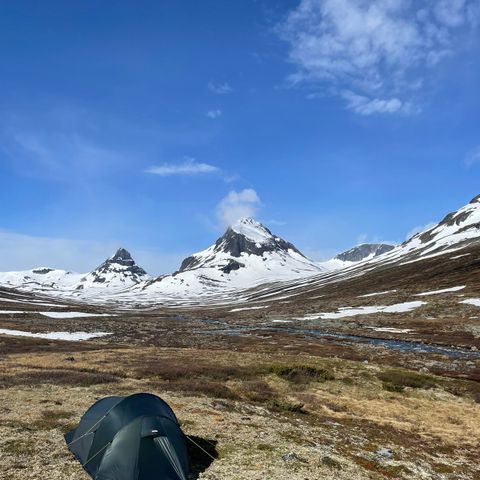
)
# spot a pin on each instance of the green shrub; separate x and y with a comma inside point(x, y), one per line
point(302, 374)
point(397, 380)
point(280, 404)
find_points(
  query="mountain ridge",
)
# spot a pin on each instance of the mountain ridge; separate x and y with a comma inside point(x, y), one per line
point(248, 255)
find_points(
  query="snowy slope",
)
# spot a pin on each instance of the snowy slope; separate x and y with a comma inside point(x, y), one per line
point(359, 253)
point(457, 230)
point(40, 279)
point(246, 255)
point(118, 272)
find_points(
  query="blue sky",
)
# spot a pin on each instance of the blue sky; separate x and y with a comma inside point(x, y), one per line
point(152, 125)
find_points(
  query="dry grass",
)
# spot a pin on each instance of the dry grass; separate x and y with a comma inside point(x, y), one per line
point(57, 377)
point(270, 405)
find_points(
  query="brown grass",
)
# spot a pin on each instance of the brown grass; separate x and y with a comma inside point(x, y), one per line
point(57, 377)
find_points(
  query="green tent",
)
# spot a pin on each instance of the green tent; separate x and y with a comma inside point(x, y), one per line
point(130, 438)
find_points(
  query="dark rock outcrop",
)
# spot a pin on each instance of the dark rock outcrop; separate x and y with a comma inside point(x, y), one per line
point(360, 252)
point(121, 263)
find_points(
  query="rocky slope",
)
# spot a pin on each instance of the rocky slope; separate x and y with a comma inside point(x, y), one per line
point(364, 251)
point(117, 272)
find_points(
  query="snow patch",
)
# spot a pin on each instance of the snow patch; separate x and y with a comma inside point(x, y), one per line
point(73, 314)
point(391, 329)
point(366, 310)
point(248, 308)
point(443, 290)
point(68, 336)
point(472, 301)
point(376, 293)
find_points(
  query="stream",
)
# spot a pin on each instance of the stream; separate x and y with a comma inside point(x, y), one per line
point(401, 345)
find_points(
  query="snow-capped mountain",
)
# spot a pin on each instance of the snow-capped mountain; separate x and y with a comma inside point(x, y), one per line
point(117, 272)
point(457, 230)
point(246, 254)
point(364, 251)
point(41, 279)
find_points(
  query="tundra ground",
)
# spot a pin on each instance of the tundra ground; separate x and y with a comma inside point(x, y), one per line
point(261, 415)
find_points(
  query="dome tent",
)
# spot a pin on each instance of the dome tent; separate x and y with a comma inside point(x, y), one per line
point(130, 438)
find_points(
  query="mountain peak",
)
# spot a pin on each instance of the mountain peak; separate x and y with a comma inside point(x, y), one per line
point(475, 199)
point(118, 270)
point(122, 257)
point(364, 251)
point(248, 241)
point(252, 230)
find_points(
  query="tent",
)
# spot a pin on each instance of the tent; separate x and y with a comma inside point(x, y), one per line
point(130, 438)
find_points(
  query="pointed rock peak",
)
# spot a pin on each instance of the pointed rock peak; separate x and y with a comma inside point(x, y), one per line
point(121, 255)
point(252, 230)
point(120, 266)
point(475, 199)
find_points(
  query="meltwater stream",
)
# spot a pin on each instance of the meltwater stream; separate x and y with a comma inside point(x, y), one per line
point(402, 345)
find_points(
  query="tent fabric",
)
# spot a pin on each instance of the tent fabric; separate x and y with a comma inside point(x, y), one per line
point(130, 438)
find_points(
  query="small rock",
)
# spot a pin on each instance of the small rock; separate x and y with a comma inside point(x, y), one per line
point(331, 463)
point(384, 452)
point(293, 457)
point(70, 359)
point(220, 405)
point(424, 370)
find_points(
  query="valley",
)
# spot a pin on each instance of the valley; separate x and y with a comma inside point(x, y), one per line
point(365, 369)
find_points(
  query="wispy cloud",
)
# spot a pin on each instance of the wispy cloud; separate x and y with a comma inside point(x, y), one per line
point(420, 228)
point(236, 205)
point(59, 154)
point(379, 51)
point(188, 167)
point(472, 157)
point(368, 106)
point(220, 88)
point(214, 113)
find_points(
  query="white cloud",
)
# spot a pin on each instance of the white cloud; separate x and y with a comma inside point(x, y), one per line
point(376, 49)
point(214, 113)
point(368, 106)
point(220, 88)
point(236, 205)
point(365, 238)
point(187, 167)
point(472, 157)
point(420, 228)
